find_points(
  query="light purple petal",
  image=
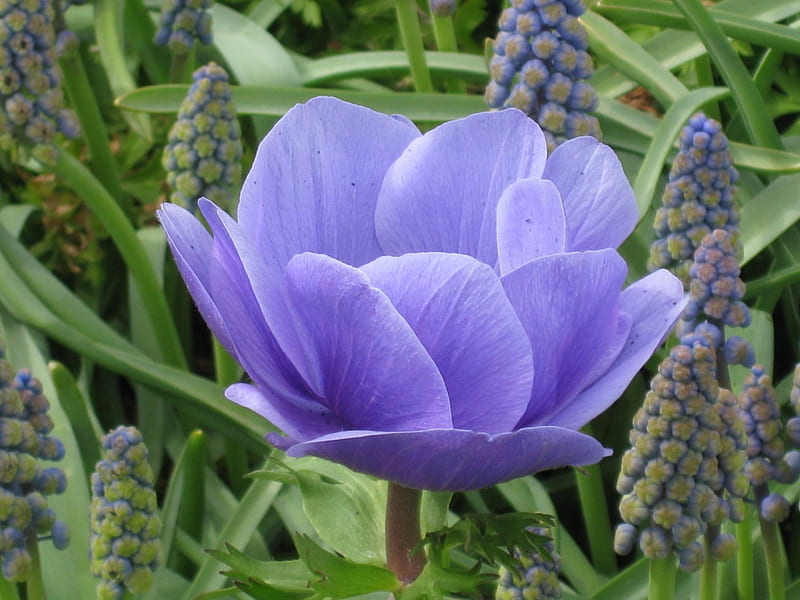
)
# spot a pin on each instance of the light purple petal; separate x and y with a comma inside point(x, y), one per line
point(654, 304)
point(254, 345)
point(530, 223)
point(315, 181)
point(191, 246)
point(375, 372)
point(568, 304)
point(458, 309)
point(598, 200)
point(454, 459)
point(442, 193)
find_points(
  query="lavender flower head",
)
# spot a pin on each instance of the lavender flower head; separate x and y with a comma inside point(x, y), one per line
point(125, 544)
point(540, 66)
point(444, 311)
point(32, 108)
point(183, 22)
point(25, 440)
point(699, 198)
point(205, 143)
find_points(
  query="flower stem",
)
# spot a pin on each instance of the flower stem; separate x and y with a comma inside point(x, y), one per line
point(412, 40)
point(446, 42)
point(403, 532)
point(773, 549)
point(8, 589)
point(708, 575)
point(661, 584)
point(180, 68)
point(744, 557)
point(34, 585)
point(595, 515)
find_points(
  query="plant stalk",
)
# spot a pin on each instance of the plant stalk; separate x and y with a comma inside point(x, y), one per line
point(412, 40)
point(403, 532)
point(661, 583)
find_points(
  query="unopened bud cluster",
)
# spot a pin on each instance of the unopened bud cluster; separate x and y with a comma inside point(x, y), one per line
point(182, 22)
point(125, 525)
point(699, 197)
point(540, 66)
point(535, 577)
point(32, 108)
point(684, 471)
point(202, 157)
point(766, 459)
point(25, 440)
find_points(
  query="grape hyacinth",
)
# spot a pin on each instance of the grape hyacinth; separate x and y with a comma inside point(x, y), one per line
point(699, 197)
point(535, 576)
point(125, 544)
point(540, 66)
point(766, 459)
point(683, 476)
point(25, 439)
point(182, 22)
point(32, 108)
point(205, 146)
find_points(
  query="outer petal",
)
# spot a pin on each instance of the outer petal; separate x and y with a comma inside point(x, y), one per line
point(441, 194)
point(458, 309)
point(654, 303)
point(598, 200)
point(530, 223)
point(315, 180)
point(568, 304)
point(454, 459)
point(375, 372)
point(191, 246)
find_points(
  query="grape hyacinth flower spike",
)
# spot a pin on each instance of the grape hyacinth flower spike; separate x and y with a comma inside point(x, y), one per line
point(535, 577)
point(32, 110)
point(125, 543)
point(182, 22)
point(444, 311)
point(25, 440)
point(205, 143)
point(540, 65)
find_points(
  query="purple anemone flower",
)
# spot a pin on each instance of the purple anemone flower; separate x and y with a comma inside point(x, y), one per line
point(444, 311)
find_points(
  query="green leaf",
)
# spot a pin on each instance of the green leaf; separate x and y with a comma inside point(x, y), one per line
point(767, 215)
point(286, 575)
point(619, 50)
point(753, 111)
point(275, 101)
point(664, 140)
point(338, 577)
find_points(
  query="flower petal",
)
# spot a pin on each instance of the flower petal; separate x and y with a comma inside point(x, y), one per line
point(454, 459)
point(530, 223)
point(441, 194)
point(568, 304)
point(598, 200)
point(315, 181)
point(654, 304)
point(375, 372)
point(458, 309)
point(191, 246)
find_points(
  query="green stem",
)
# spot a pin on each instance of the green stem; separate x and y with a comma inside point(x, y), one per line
point(228, 372)
point(773, 549)
point(77, 176)
point(744, 557)
point(708, 574)
point(446, 41)
point(403, 532)
point(595, 515)
point(661, 583)
point(83, 102)
point(181, 66)
point(8, 589)
point(412, 40)
point(34, 585)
